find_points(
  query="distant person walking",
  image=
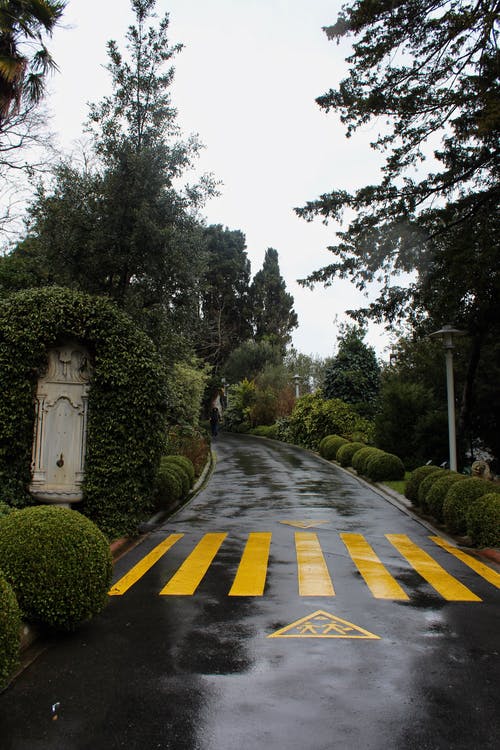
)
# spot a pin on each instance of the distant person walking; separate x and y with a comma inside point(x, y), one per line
point(214, 421)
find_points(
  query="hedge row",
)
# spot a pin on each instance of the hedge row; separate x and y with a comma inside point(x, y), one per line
point(372, 462)
point(467, 505)
point(56, 572)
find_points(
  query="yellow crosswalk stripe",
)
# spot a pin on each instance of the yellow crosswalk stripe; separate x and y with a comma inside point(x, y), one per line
point(252, 571)
point(188, 577)
point(313, 575)
point(376, 576)
point(483, 570)
point(444, 583)
point(147, 562)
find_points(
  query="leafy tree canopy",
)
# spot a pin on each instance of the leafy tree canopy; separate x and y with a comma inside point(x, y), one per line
point(24, 57)
point(427, 70)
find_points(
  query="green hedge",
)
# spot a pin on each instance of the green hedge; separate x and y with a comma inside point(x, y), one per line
point(169, 490)
point(58, 563)
point(436, 495)
point(10, 631)
point(414, 481)
point(426, 484)
point(184, 462)
point(180, 471)
point(483, 521)
point(329, 446)
point(266, 430)
point(384, 466)
point(347, 451)
point(127, 401)
point(360, 458)
point(459, 499)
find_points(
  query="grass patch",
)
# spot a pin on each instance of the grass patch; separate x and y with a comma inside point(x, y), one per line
point(399, 485)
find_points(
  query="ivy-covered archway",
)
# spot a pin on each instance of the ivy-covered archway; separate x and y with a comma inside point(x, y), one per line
point(127, 401)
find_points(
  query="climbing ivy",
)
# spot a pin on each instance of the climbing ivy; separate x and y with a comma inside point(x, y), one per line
point(127, 401)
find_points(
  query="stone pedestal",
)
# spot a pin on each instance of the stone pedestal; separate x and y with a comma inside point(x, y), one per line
point(60, 433)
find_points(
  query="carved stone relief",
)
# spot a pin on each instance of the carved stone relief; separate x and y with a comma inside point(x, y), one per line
point(60, 433)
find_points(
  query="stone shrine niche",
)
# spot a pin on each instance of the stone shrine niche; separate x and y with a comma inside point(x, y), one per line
point(60, 432)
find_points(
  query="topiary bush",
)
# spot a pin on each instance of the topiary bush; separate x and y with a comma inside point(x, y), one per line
point(10, 631)
point(127, 401)
point(181, 472)
point(360, 458)
point(413, 483)
point(184, 462)
point(5, 509)
point(168, 487)
point(459, 499)
point(58, 563)
point(435, 497)
point(384, 466)
point(483, 521)
point(330, 445)
point(427, 483)
point(347, 451)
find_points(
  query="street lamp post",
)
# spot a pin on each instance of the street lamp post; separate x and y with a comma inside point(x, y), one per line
point(446, 334)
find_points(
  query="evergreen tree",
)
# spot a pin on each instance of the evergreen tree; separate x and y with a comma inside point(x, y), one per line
point(429, 70)
point(272, 306)
point(125, 230)
point(353, 375)
point(224, 294)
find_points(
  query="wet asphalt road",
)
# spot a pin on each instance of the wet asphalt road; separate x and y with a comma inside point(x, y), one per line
point(195, 668)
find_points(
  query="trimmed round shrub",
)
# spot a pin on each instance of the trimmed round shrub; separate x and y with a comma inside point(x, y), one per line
point(384, 466)
point(168, 487)
point(347, 451)
point(427, 483)
point(182, 461)
point(360, 458)
point(58, 563)
point(330, 445)
point(181, 472)
point(435, 497)
point(483, 521)
point(413, 483)
point(10, 631)
point(459, 499)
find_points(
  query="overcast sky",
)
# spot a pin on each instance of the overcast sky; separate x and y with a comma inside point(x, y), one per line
point(246, 82)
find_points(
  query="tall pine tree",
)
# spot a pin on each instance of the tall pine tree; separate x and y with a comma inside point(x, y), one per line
point(272, 306)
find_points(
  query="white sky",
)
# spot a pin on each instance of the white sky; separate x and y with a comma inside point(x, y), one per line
point(246, 81)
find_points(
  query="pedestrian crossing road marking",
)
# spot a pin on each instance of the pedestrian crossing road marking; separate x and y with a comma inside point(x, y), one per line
point(322, 624)
point(313, 574)
point(304, 524)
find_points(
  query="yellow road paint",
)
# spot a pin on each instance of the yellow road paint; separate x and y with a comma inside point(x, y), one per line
point(377, 577)
point(303, 524)
point(322, 624)
point(251, 576)
point(191, 573)
point(480, 568)
point(128, 580)
point(314, 579)
point(444, 583)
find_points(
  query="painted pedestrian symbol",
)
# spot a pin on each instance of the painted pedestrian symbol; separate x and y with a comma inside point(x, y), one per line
point(322, 624)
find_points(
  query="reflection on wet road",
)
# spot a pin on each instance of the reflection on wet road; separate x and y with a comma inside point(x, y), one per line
point(287, 606)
